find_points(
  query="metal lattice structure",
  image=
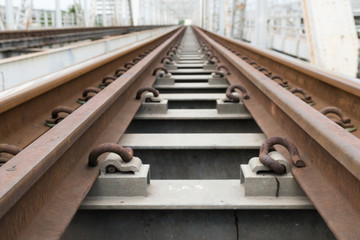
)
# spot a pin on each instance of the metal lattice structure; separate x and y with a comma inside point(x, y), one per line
point(24, 15)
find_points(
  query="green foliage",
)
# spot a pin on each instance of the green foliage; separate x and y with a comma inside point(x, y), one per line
point(71, 9)
point(181, 22)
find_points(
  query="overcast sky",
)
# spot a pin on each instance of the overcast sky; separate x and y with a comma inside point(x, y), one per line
point(44, 4)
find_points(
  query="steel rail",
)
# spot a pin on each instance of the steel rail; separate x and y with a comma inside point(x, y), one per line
point(326, 88)
point(17, 40)
point(34, 104)
point(331, 154)
point(45, 183)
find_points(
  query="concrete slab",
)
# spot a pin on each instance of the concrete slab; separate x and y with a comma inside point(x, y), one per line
point(192, 86)
point(122, 184)
point(191, 71)
point(192, 96)
point(177, 114)
point(193, 141)
point(196, 194)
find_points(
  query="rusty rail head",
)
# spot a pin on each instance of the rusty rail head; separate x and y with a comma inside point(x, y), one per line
point(129, 65)
point(270, 162)
point(210, 59)
point(59, 109)
point(218, 68)
point(166, 58)
point(159, 68)
point(234, 98)
point(337, 112)
point(125, 153)
point(147, 89)
point(265, 71)
point(90, 90)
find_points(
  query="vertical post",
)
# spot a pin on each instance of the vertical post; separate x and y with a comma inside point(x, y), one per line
point(86, 14)
point(260, 28)
point(38, 18)
point(53, 20)
point(130, 13)
point(58, 14)
point(9, 15)
point(221, 17)
point(141, 8)
point(117, 12)
point(72, 19)
point(201, 11)
point(46, 20)
point(104, 13)
point(227, 19)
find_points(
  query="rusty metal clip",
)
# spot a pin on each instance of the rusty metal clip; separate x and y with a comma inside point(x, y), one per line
point(220, 74)
point(265, 71)
point(126, 153)
point(168, 53)
point(282, 82)
point(129, 65)
point(209, 53)
point(246, 59)
point(159, 68)
point(210, 59)
point(218, 68)
point(9, 149)
point(234, 98)
point(136, 60)
point(342, 121)
point(255, 64)
point(306, 98)
point(173, 49)
point(86, 92)
point(270, 162)
point(142, 55)
point(106, 81)
point(120, 71)
point(59, 109)
point(166, 58)
point(55, 115)
point(147, 89)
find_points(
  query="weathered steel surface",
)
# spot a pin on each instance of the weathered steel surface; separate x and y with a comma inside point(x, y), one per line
point(51, 176)
point(326, 88)
point(331, 154)
point(17, 40)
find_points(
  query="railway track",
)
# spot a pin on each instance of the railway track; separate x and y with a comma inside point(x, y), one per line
point(18, 40)
point(194, 135)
